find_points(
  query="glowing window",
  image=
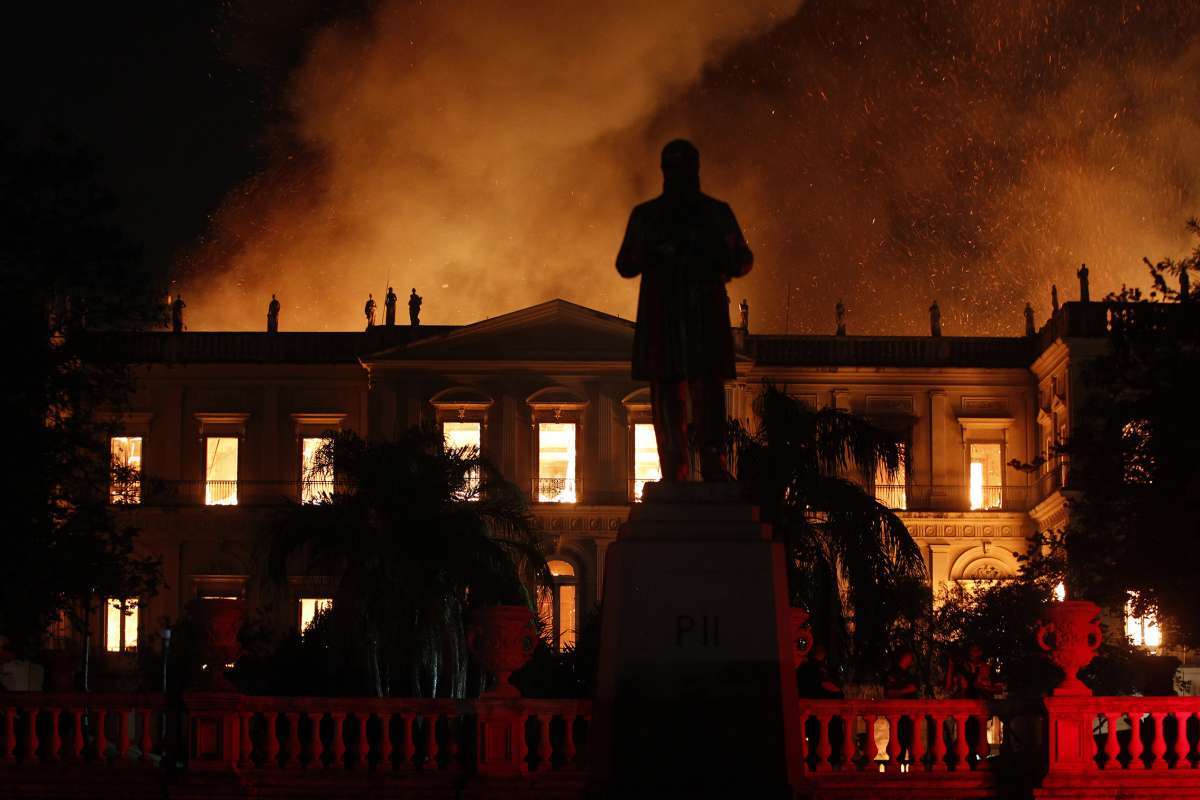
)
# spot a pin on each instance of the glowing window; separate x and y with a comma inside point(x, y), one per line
point(120, 625)
point(556, 462)
point(892, 490)
point(465, 437)
point(1142, 630)
point(557, 605)
point(221, 471)
point(310, 607)
point(645, 458)
point(986, 476)
point(125, 483)
point(316, 484)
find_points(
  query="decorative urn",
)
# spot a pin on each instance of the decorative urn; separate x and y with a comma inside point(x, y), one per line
point(802, 636)
point(502, 638)
point(1071, 635)
point(222, 619)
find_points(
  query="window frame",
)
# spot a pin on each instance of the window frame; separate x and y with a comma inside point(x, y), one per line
point(556, 404)
point(574, 580)
point(125, 603)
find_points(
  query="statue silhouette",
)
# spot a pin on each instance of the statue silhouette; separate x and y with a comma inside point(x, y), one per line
point(1030, 328)
point(685, 246)
point(389, 308)
point(414, 308)
point(273, 316)
point(177, 308)
point(1085, 295)
point(369, 311)
point(935, 319)
point(839, 313)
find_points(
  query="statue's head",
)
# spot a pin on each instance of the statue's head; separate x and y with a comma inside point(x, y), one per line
point(680, 165)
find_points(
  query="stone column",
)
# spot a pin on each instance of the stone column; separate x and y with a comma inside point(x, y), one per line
point(938, 442)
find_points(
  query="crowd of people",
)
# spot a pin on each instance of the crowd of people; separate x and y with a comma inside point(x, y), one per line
point(968, 675)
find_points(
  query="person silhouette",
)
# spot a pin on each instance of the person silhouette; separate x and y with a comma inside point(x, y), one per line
point(273, 316)
point(685, 246)
point(369, 311)
point(389, 308)
point(414, 308)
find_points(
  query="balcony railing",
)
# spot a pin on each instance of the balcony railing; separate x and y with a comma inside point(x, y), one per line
point(555, 490)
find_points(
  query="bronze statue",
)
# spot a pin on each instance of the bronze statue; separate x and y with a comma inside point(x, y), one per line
point(389, 308)
point(177, 308)
point(1030, 329)
point(685, 246)
point(839, 313)
point(935, 319)
point(273, 316)
point(1084, 292)
point(414, 308)
point(369, 311)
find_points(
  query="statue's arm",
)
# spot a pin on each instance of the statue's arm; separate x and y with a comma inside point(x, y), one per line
point(740, 257)
point(631, 259)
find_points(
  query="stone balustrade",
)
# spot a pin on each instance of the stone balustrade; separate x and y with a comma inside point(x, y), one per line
point(93, 729)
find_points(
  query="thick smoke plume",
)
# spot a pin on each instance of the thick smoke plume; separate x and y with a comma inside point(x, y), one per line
point(886, 153)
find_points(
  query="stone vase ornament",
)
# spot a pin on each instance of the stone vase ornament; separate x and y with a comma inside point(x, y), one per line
point(222, 619)
point(502, 638)
point(802, 636)
point(1071, 636)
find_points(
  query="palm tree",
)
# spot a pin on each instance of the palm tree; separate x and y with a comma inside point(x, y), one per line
point(852, 561)
point(413, 536)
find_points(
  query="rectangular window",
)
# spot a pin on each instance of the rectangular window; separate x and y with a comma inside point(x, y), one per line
point(556, 462)
point(892, 490)
point(315, 484)
point(309, 607)
point(986, 475)
point(125, 484)
point(465, 437)
point(645, 458)
point(1142, 631)
point(120, 625)
point(221, 471)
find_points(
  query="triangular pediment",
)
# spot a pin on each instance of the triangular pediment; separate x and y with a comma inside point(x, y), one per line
point(552, 331)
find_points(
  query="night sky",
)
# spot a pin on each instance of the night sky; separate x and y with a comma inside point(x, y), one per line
point(885, 153)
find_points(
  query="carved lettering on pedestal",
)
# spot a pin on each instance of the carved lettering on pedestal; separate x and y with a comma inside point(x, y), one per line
point(708, 634)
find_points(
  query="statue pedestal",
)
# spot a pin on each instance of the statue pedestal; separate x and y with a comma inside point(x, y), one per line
point(697, 692)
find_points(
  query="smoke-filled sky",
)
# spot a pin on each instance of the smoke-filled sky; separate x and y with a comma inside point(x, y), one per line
point(887, 153)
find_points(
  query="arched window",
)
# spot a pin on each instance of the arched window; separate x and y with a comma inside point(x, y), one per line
point(557, 605)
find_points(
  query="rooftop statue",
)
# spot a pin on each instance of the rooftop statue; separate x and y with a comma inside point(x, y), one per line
point(839, 313)
point(744, 308)
point(685, 246)
point(1054, 297)
point(369, 311)
point(1030, 328)
point(1084, 292)
point(935, 319)
point(177, 308)
point(414, 308)
point(389, 308)
point(273, 316)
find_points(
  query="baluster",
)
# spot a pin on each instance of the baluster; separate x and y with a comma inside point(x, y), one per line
point(55, 737)
point(385, 741)
point(1105, 748)
point(1135, 741)
point(431, 742)
point(10, 735)
point(272, 759)
point(523, 745)
point(451, 761)
point(362, 752)
point(872, 749)
point(315, 746)
point(569, 742)
point(824, 747)
point(961, 752)
point(939, 742)
point(544, 751)
point(339, 745)
point(31, 743)
point(123, 738)
point(919, 732)
point(101, 736)
point(1159, 748)
point(293, 740)
point(245, 754)
point(983, 748)
point(410, 747)
point(846, 744)
point(893, 746)
point(147, 741)
point(77, 735)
